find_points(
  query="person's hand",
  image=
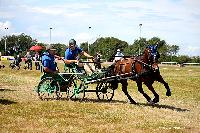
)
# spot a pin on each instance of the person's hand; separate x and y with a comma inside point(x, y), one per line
point(59, 58)
point(56, 72)
point(76, 61)
point(91, 57)
point(77, 58)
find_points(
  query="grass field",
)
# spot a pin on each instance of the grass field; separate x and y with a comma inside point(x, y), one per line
point(22, 111)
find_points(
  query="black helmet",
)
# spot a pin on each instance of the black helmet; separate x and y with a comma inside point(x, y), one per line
point(72, 41)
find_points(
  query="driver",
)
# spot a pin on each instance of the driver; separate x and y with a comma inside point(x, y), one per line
point(72, 53)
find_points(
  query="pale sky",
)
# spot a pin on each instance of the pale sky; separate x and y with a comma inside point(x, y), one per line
point(175, 21)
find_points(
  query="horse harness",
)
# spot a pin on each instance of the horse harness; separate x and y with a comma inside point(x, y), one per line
point(134, 74)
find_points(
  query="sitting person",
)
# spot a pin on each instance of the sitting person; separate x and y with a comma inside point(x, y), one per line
point(119, 55)
point(48, 60)
point(72, 53)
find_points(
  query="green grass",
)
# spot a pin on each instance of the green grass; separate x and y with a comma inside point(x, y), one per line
point(22, 111)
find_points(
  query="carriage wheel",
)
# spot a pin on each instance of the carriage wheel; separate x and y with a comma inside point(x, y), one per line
point(104, 91)
point(76, 90)
point(48, 88)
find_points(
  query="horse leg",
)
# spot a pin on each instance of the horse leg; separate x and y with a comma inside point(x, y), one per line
point(124, 89)
point(161, 80)
point(150, 87)
point(140, 89)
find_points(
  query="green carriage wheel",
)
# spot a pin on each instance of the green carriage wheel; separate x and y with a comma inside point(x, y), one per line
point(104, 91)
point(76, 90)
point(48, 88)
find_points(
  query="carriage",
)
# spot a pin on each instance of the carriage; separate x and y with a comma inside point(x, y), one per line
point(73, 84)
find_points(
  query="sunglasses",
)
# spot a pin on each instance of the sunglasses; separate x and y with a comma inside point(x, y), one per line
point(52, 49)
point(71, 46)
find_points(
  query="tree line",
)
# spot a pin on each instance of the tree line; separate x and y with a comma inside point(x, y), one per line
point(106, 46)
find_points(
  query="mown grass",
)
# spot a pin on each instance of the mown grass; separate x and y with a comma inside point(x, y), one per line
point(22, 111)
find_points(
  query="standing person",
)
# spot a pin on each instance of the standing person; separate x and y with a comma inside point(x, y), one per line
point(48, 60)
point(28, 60)
point(37, 60)
point(97, 60)
point(18, 58)
point(0, 60)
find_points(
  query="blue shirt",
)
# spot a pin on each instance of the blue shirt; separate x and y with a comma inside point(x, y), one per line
point(48, 61)
point(72, 54)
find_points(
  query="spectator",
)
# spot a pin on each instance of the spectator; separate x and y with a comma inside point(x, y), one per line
point(37, 60)
point(28, 60)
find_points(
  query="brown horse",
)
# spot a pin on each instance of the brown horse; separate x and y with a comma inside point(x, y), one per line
point(142, 69)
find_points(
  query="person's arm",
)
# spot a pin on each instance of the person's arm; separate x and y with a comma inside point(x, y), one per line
point(56, 56)
point(46, 69)
point(67, 60)
point(70, 61)
point(86, 54)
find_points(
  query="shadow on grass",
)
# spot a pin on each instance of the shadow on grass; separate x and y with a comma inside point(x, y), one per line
point(86, 100)
point(6, 90)
point(143, 104)
point(160, 106)
point(102, 101)
point(7, 102)
point(138, 104)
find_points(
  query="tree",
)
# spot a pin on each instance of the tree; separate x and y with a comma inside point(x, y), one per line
point(60, 49)
point(84, 46)
point(134, 48)
point(183, 59)
point(173, 49)
point(107, 47)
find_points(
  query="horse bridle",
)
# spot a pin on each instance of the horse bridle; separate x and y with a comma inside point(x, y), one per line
point(149, 64)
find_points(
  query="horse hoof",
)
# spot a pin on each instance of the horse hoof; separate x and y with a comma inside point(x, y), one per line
point(131, 102)
point(168, 93)
point(155, 100)
point(151, 102)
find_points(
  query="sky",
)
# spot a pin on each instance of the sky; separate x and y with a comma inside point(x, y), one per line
point(175, 21)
